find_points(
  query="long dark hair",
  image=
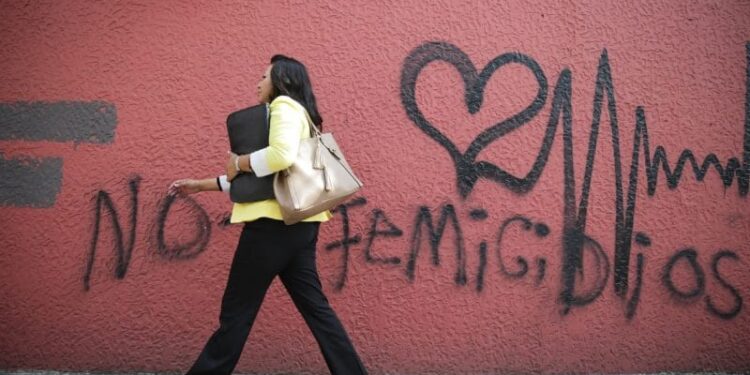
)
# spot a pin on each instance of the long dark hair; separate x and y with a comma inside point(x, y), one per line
point(289, 77)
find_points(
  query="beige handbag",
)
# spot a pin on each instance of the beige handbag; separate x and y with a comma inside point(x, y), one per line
point(318, 180)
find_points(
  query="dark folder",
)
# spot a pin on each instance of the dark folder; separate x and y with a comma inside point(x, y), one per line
point(248, 132)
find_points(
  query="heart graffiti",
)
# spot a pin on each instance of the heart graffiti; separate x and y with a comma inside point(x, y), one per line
point(468, 170)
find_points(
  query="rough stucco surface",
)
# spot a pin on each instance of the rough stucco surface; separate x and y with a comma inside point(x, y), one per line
point(444, 152)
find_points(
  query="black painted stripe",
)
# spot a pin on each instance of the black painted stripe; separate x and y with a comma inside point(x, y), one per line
point(30, 182)
point(91, 122)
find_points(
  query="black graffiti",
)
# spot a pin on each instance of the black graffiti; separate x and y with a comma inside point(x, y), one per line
point(379, 216)
point(691, 256)
point(630, 309)
point(644, 241)
point(482, 265)
point(192, 248)
point(598, 261)
point(346, 241)
point(435, 235)
point(541, 265)
point(478, 214)
point(124, 249)
point(467, 171)
point(573, 272)
point(224, 220)
point(735, 294)
point(540, 229)
point(521, 261)
point(575, 215)
point(423, 220)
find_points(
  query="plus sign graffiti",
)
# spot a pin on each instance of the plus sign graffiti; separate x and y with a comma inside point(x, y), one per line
point(35, 182)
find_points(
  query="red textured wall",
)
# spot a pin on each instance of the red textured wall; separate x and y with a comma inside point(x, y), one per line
point(522, 177)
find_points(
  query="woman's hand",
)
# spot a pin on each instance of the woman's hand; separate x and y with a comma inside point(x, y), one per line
point(232, 171)
point(185, 186)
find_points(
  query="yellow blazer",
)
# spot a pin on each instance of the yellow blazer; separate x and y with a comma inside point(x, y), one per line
point(288, 126)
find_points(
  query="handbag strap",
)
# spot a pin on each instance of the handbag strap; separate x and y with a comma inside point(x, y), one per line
point(316, 133)
point(313, 128)
point(333, 152)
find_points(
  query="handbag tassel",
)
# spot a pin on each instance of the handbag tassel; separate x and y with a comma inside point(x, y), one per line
point(318, 162)
point(328, 180)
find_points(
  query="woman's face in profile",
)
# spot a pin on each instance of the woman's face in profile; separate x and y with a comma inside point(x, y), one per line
point(264, 86)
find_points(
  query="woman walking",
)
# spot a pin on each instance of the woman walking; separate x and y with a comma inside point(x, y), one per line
point(267, 247)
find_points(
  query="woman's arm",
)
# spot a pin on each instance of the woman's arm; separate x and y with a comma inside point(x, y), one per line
point(192, 186)
point(287, 124)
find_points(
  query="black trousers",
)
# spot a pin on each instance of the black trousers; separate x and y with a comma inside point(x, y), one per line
point(268, 248)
